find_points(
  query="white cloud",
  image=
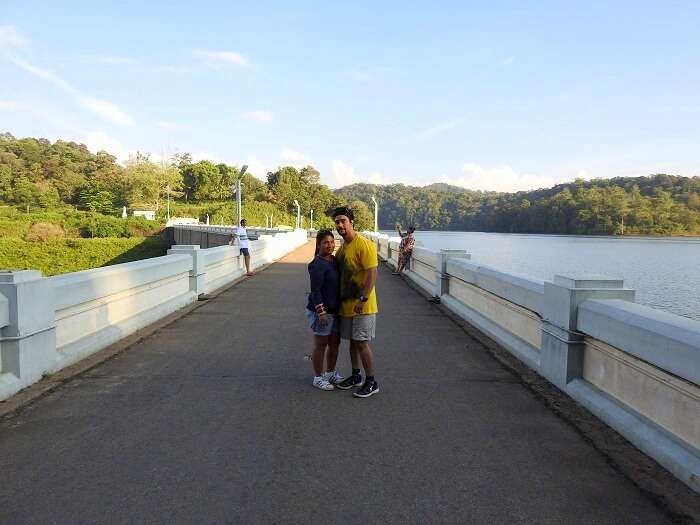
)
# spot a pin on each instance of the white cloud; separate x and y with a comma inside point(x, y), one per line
point(256, 167)
point(100, 141)
point(52, 119)
point(45, 74)
point(290, 157)
point(10, 38)
point(501, 178)
point(508, 61)
point(107, 111)
point(101, 108)
point(222, 59)
point(344, 174)
point(260, 116)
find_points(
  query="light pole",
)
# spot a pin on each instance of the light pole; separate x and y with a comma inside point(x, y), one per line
point(376, 215)
point(238, 191)
point(296, 203)
point(312, 219)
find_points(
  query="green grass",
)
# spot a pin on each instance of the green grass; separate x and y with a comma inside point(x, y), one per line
point(16, 222)
point(71, 255)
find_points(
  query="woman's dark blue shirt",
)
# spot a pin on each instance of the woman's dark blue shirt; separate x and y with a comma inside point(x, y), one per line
point(325, 285)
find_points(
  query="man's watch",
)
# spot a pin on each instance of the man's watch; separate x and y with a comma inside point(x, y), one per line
point(363, 299)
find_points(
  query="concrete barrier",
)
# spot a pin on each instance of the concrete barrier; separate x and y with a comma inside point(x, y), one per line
point(636, 368)
point(49, 323)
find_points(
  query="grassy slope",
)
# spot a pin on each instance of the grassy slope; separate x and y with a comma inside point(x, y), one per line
point(71, 255)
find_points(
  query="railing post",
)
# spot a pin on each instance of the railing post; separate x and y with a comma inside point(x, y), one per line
point(561, 357)
point(198, 272)
point(29, 341)
point(442, 280)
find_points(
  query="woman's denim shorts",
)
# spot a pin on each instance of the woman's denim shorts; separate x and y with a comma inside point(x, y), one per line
point(333, 325)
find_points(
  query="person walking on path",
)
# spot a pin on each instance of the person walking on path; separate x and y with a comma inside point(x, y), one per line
point(322, 310)
point(408, 242)
point(244, 244)
point(357, 260)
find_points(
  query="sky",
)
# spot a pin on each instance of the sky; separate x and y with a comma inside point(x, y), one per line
point(491, 95)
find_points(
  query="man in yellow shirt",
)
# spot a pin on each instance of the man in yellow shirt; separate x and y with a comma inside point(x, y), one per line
point(357, 260)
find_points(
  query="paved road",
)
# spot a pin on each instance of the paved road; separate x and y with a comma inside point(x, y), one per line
point(213, 420)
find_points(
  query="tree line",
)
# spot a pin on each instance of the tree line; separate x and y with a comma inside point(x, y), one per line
point(653, 205)
point(36, 173)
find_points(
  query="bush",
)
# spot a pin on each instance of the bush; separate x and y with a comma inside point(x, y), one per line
point(43, 231)
point(142, 227)
point(97, 225)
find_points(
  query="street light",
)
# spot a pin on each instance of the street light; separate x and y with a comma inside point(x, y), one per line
point(296, 203)
point(238, 191)
point(312, 219)
point(376, 214)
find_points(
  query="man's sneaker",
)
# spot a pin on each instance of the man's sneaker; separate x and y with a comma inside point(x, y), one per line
point(322, 383)
point(350, 382)
point(333, 377)
point(368, 389)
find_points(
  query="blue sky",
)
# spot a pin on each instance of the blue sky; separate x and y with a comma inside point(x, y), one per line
point(488, 95)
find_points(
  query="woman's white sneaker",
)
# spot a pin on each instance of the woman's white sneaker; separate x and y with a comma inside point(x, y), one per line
point(333, 377)
point(322, 383)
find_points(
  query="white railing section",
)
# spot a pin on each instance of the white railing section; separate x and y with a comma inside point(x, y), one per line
point(49, 323)
point(636, 368)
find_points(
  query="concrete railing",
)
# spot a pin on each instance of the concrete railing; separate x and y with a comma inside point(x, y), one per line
point(636, 368)
point(210, 236)
point(49, 323)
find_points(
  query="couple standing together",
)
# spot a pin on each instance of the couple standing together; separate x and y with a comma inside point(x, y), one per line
point(343, 304)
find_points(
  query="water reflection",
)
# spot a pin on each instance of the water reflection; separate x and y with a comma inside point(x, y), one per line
point(664, 271)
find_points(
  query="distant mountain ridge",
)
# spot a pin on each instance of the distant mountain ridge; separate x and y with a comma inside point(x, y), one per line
point(656, 204)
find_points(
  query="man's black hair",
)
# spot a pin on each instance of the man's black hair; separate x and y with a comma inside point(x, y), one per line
point(411, 228)
point(242, 221)
point(343, 210)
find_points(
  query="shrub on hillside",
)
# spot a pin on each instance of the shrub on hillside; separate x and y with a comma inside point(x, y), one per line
point(142, 227)
point(43, 231)
point(97, 225)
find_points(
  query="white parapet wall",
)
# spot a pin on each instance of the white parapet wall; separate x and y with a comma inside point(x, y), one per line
point(635, 367)
point(95, 308)
point(48, 323)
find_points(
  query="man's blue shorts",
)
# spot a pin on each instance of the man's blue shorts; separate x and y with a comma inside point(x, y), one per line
point(333, 325)
point(245, 252)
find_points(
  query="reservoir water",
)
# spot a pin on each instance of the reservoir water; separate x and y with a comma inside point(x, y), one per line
point(665, 272)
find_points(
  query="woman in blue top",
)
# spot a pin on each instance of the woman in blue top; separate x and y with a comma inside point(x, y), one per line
point(322, 310)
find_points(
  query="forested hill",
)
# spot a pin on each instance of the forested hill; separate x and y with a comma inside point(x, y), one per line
point(36, 173)
point(655, 205)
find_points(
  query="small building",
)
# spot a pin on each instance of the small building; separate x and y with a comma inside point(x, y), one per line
point(148, 214)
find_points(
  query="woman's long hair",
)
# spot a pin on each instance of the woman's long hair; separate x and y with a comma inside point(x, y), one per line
point(322, 234)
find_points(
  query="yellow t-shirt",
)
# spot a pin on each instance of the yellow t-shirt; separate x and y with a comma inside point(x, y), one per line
point(354, 259)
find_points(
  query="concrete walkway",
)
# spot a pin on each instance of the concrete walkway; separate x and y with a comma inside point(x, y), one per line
point(213, 420)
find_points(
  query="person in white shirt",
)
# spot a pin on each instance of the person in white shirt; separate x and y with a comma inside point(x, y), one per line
point(243, 243)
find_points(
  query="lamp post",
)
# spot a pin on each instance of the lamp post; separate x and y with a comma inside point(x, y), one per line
point(238, 191)
point(376, 215)
point(296, 203)
point(312, 219)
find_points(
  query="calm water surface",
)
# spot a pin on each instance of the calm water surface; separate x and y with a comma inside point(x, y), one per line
point(664, 271)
